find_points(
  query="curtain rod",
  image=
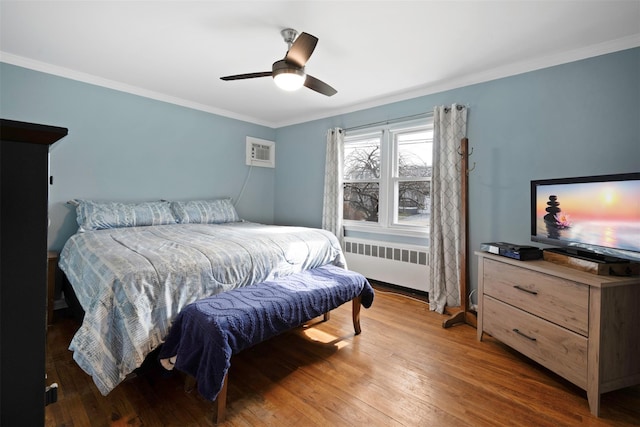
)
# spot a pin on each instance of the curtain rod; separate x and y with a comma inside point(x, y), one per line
point(387, 122)
point(400, 119)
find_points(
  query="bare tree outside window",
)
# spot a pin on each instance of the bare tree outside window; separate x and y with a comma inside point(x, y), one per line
point(413, 190)
point(362, 169)
point(387, 177)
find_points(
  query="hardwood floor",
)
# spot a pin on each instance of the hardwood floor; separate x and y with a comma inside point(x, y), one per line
point(403, 370)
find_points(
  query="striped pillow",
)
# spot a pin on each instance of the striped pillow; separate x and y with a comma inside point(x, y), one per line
point(205, 211)
point(92, 215)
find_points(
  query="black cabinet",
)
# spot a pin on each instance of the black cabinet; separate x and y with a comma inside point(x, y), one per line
point(24, 176)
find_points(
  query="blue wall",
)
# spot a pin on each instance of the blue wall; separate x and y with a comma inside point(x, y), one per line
point(130, 148)
point(576, 119)
point(581, 118)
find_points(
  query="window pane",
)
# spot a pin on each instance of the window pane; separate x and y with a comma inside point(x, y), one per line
point(414, 155)
point(361, 201)
point(414, 204)
point(362, 160)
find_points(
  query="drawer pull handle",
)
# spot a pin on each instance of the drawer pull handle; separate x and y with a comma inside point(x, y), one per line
point(529, 291)
point(517, 331)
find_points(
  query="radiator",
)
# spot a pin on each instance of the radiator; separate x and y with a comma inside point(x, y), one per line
point(394, 263)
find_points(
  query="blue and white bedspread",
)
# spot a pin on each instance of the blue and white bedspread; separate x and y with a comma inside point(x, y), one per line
point(132, 282)
point(207, 332)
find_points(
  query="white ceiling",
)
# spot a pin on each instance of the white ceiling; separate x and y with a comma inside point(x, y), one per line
point(372, 52)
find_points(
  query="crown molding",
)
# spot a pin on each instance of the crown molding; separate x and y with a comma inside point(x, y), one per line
point(68, 73)
point(441, 86)
point(485, 76)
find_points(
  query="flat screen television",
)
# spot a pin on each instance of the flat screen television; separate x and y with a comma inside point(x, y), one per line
point(596, 217)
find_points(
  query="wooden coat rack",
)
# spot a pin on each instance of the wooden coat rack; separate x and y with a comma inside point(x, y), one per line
point(461, 314)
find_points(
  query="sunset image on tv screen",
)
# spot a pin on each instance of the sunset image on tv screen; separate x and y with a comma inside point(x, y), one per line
point(595, 213)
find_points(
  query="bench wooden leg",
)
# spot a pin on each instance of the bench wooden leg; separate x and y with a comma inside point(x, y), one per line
point(189, 383)
point(221, 400)
point(356, 314)
point(327, 316)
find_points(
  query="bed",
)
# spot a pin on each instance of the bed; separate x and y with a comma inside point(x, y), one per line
point(134, 267)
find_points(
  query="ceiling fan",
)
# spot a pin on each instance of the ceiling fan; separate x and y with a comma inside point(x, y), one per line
point(288, 73)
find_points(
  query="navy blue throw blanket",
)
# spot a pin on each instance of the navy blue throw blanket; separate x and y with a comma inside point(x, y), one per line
point(206, 333)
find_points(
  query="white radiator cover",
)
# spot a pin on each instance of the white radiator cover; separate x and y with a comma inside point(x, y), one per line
point(394, 263)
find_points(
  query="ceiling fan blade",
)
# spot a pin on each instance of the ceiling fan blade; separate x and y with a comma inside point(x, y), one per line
point(247, 76)
point(301, 49)
point(319, 86)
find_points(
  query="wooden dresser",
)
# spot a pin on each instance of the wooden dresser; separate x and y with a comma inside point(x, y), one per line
point(24, 192)
point(582, 326)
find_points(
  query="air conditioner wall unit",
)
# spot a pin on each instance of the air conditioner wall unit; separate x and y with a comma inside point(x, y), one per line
point(260, 152)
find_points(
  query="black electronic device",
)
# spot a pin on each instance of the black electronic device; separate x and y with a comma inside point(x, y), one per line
point(519, 252)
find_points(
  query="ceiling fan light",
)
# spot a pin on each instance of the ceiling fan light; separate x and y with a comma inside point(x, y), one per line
point(289, 79)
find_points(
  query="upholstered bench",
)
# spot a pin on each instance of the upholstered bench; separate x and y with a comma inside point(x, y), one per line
point(208, 332)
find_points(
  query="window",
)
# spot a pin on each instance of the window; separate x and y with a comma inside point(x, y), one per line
point(387, 178)
point(362, 178)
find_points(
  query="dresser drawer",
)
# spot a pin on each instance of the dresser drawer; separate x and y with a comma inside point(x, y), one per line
point(556, 348)
point(557, 300)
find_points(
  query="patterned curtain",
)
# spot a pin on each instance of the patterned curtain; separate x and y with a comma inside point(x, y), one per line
point(449, 127)
point(333, 185)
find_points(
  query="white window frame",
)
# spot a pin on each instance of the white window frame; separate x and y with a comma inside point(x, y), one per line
point(387, 220)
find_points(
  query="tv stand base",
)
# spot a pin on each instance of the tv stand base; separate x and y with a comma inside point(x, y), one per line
point(591, 262)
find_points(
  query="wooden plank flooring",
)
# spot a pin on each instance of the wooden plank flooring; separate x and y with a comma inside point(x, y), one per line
point(403, 370)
